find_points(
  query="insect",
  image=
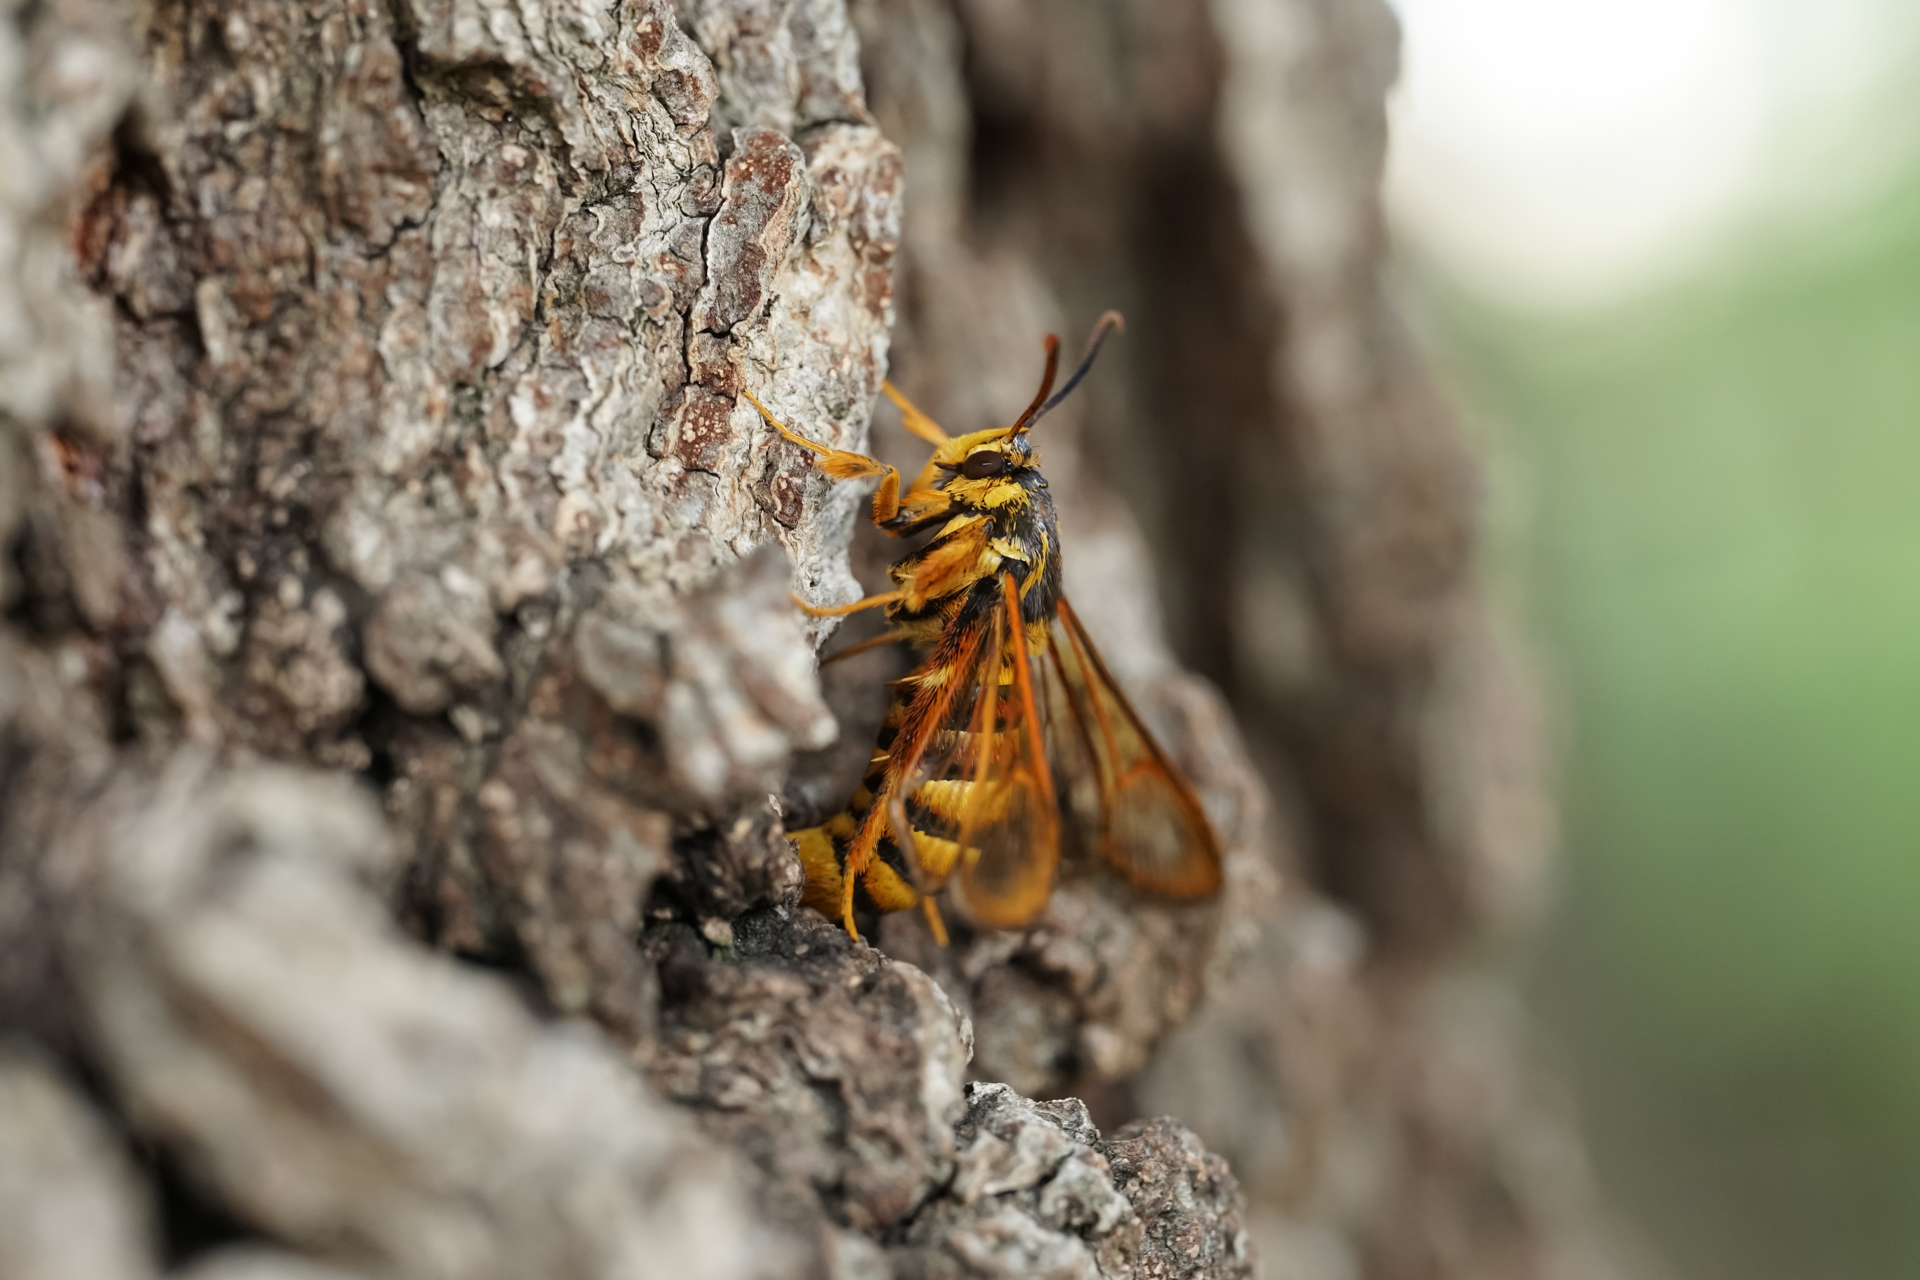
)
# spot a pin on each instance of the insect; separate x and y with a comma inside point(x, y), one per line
point(960, 787)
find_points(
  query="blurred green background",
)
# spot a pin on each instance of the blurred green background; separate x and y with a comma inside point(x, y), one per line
point(1708, 509)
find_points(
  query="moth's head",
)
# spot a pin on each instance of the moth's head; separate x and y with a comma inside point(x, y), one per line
point(988, 467)
point(976, 465)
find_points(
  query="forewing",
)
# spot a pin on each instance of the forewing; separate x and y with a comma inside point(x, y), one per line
point(1146, 820)
point(1007, 870)
point(981, 805)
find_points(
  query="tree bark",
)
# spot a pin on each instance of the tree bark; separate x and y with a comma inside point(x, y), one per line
point(401, 706)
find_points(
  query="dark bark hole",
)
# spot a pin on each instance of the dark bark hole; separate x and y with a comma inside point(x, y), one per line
point(190, 1223)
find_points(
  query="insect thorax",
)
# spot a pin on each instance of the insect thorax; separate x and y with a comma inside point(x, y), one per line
point(1011, 527)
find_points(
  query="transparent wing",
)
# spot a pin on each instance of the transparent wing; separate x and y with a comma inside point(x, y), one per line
point(979, 804)
point(1146, 821)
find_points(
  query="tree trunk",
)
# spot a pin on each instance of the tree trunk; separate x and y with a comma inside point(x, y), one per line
point(401, 706)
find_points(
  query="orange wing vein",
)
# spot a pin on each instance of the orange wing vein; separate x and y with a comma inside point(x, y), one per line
point(1149, 824)
point(978, 799)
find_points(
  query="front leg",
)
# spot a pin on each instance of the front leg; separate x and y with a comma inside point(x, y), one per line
point(842, 464)
point(919, 510)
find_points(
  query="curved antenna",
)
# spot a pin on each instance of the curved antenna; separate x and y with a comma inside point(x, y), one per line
point(1108, 323)
point(1035, 409)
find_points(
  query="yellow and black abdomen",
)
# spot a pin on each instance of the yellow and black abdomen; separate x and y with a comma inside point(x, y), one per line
point(891, 881)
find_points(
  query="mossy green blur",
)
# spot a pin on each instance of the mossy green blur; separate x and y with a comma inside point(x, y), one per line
point(1718, 543)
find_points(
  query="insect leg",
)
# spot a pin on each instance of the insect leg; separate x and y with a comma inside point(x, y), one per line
point(864, 646)
point(913, 419)
point(934, 922)
point(843, 464)
point(918, 423)
point(842, 610)
point(906, 839)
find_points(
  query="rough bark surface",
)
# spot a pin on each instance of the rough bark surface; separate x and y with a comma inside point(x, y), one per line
point(401, 707)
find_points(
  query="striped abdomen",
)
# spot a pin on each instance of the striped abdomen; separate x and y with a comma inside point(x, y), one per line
point(933, 811)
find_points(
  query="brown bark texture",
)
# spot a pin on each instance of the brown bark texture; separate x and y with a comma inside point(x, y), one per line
point(401, 706)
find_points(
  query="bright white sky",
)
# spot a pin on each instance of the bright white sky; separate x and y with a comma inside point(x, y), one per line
point(1571, 152)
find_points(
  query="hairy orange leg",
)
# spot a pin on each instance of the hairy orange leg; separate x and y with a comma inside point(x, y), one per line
point(842, 610)
point(913, 419)
point(917, 423)
point(843, 464)
point(934, 922)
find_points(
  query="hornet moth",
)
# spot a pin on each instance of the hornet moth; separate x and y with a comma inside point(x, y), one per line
point(960, 786)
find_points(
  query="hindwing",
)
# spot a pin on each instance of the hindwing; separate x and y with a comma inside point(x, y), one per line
point(1141, 815)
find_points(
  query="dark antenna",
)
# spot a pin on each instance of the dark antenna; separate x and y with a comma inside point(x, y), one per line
point(1108, 323)
point(1034, 410)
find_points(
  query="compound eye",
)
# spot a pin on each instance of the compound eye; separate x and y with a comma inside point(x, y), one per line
point(979, 466)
